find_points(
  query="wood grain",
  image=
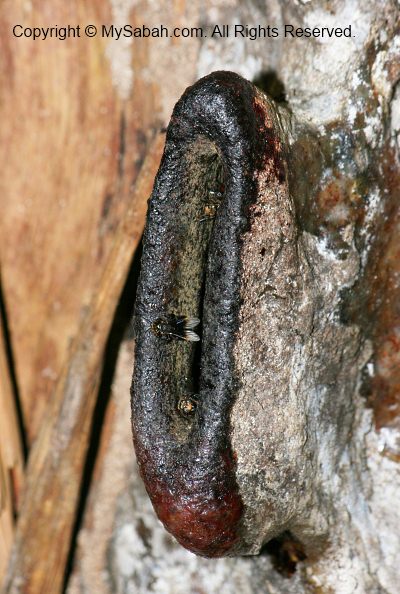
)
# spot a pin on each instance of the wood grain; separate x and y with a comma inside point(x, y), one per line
point(73, 144)
point(58, 454)
point(11, 456)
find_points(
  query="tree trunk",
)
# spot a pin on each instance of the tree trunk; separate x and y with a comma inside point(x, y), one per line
point(321, 442)
point(340, 396)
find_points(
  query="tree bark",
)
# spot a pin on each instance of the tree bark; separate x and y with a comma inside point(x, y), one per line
point(81, 113)
point(343, 162)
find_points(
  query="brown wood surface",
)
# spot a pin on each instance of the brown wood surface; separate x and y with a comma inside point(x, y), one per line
point(58, 455)
point(72, 143)
point(11, 456)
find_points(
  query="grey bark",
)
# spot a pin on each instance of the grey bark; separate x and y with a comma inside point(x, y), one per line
point(307, 411)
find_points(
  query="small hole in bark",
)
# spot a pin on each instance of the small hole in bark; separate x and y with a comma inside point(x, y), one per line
point(263, 251)
point(272, 85)
point(285, 551)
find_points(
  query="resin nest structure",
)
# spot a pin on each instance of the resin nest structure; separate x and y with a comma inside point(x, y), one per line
point(223, 148)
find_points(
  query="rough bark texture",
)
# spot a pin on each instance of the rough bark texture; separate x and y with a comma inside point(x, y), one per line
point(344, 147)
point(197, 267)
point(124, 548)
point(315, 418)
point(293, 379)
point(344, 137)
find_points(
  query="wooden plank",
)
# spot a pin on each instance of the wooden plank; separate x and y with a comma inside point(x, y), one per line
point(57, 458)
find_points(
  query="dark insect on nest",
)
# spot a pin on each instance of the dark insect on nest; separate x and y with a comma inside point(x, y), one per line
point(171, 326)
point(187, 404)
point(213, 202)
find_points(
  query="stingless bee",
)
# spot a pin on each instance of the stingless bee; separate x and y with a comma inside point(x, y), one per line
point(210, 209)
point(187, 404)
point(171, 326)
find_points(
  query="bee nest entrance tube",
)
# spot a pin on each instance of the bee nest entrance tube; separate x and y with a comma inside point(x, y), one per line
point(226, 445)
